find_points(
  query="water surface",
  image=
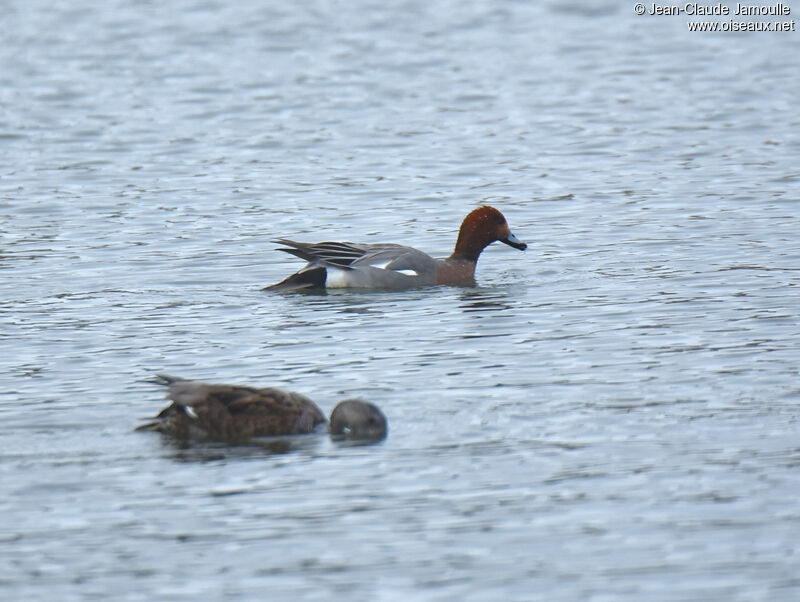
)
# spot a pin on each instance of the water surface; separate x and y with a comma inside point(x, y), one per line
point(612, 415)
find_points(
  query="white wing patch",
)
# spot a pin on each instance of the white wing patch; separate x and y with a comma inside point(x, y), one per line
point(347, 278)
point(385, 265)
point(190, 412)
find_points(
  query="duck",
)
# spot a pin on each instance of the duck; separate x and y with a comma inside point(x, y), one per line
point(393, 266)
point(238, 414)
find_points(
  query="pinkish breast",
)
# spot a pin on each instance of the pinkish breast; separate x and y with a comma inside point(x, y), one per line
point(455, 271)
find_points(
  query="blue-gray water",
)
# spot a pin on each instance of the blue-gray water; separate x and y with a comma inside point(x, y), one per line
point(612, 415)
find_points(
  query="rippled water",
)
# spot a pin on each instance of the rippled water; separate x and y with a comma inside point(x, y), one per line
point(611, 415)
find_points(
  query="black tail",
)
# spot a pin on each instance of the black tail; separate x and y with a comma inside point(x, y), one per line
point(155, 425)
point(160, 423)
point(163, 379)
point(313, 278)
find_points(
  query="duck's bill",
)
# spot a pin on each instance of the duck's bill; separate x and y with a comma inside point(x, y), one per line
point(513, 241)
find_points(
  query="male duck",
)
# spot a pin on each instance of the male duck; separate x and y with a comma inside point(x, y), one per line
point(391, 266)
point(234, 414)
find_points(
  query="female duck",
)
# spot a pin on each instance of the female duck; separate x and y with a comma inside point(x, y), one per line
point(235, 414)
point(391, 266)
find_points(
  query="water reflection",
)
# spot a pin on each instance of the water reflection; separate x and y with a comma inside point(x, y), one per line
point(484, 299)
point(310, 446)
point(184, 450)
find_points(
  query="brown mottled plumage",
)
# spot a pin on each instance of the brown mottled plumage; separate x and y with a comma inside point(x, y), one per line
point(232, 413)
point(236, 414)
